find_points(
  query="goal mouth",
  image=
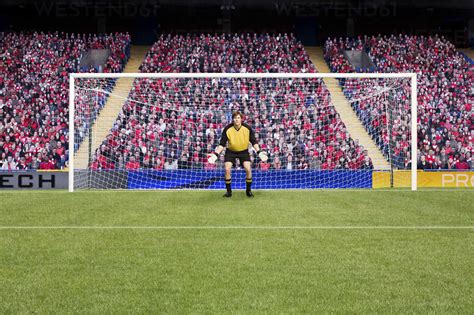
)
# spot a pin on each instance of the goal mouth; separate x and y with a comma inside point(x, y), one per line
point(321, 130)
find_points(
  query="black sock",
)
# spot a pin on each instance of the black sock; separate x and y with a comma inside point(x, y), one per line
point(228, 183)
point(248, 183)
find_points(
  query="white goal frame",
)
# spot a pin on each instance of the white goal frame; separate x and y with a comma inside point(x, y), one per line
point(413, 97)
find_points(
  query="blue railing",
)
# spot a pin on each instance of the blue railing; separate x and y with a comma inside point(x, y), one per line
point(271, 179)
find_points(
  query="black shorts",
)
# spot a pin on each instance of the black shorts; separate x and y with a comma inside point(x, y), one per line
point(231, 156)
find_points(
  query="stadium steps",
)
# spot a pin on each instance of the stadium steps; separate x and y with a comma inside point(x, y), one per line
point(467, 51)
point(112, 107)
point(343, 107)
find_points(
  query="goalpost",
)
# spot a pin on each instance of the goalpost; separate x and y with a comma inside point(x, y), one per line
point(321, 130)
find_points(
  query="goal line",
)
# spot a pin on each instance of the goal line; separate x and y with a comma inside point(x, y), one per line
point(242, 227)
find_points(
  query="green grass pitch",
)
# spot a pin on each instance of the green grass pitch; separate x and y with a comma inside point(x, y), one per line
point(252, 266)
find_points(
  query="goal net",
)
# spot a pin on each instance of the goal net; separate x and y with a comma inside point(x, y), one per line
point(156, 130)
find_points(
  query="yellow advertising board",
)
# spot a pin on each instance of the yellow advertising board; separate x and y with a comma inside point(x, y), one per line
point(426, 179)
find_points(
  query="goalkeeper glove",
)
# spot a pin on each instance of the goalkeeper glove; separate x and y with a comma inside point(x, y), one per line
point(213, 158)
point(263, 155)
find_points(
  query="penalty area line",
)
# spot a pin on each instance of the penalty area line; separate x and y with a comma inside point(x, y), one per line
point(237, 227)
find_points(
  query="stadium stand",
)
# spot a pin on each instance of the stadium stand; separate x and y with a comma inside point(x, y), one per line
point(157, 129)
point(445, 97)
point(33, 105)
point(34, 98)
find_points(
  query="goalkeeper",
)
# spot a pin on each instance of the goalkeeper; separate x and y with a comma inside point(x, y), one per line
point(236, 137)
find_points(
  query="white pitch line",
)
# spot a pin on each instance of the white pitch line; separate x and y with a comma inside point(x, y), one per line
point(238, 227)
point(463, 190)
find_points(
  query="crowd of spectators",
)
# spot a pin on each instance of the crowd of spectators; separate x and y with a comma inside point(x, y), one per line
point(175, 123)
point(227, 53)
point(34, 93)
point(445, 98)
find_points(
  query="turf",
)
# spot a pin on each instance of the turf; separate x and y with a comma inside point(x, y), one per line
point(237, 270)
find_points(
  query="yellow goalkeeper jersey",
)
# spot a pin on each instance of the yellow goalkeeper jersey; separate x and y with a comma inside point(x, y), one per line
point(237, 139)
